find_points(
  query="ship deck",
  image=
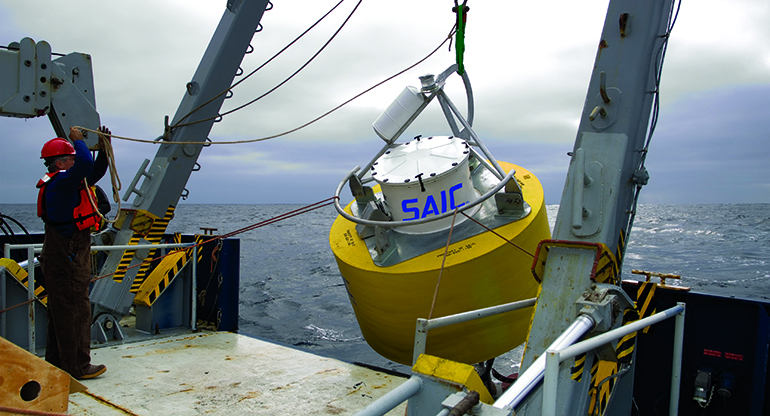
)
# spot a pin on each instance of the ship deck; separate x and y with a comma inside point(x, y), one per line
point(225, 373)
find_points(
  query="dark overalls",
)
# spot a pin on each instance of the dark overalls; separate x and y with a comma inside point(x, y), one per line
point(66, 265)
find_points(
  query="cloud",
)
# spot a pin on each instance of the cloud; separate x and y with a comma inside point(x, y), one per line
point(529, 65)
point(711, 147)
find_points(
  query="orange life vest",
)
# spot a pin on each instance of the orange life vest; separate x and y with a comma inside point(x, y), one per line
point(83, 216)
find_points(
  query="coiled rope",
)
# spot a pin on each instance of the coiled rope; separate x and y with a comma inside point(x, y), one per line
point(106, 146)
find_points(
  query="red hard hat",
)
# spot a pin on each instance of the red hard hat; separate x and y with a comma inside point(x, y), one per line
point(57, 147)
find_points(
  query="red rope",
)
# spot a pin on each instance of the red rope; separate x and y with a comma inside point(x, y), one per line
point(273, 220)
point(269, 221)
point(22, 304)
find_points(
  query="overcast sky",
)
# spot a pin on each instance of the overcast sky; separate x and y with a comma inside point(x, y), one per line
point(529, 64)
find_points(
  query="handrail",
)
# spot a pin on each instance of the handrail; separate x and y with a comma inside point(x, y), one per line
point(527, 381)
point(8, 247)
point(413, 385)
point(393, 398)
point(554, 357)
point(37, 247)
point(562, 349)
point(423, 325)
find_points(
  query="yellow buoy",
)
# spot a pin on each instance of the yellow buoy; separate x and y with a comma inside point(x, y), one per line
point(481, 270)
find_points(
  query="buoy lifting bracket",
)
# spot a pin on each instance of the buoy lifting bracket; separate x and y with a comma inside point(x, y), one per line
point(362, 194)
point(510, 203)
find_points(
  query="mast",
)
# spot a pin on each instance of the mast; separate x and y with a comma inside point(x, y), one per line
point(605, 174)
point(164, 178)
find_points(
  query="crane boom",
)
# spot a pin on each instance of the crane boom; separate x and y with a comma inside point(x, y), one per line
point(166, 176)
point(606, 171)
point(34, 85)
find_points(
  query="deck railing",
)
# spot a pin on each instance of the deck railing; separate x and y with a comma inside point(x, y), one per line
point(555, 357)
point(423, 325)
point(547, 371)
point(33, 249)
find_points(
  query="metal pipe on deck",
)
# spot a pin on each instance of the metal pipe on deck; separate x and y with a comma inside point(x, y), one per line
point(534, 374)
point(394, 398)
point(25, 263)
point(607, 337)
point(39, 246)
point(554, 356)
point(423, 325)
point(676, 364)
point(480, 313)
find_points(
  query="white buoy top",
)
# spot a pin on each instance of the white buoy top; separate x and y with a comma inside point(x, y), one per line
point(425, 177)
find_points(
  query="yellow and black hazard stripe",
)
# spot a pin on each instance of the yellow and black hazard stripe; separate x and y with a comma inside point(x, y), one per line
point(165, 272)
point(592, 392)
point(141, 275)
point(601, 390)
point(125, 260)
point(161, 277)
point(626, 345)
point(22, 277)
point(607, 270)
point(644, 307)
point(159, 226)
point(199, 238)
point(153, 236)
point(576, 372)
point(644, 301)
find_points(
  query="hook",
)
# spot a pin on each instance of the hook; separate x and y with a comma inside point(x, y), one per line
point(603, 88)
point(597, 111)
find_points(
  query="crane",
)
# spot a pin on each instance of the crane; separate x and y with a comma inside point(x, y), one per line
point(34, 85)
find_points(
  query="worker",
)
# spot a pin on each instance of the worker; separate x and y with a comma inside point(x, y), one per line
point(67, 206)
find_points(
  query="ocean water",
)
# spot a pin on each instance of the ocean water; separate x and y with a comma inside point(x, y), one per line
point(292, 293)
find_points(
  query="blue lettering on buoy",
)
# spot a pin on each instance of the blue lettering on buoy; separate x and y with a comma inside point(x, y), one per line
point(452, 196)
point(431, 207)
point(443, 201)
point(406, 208)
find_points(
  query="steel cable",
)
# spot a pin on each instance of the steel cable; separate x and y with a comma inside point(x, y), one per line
point(447, 39)
point(263, 65)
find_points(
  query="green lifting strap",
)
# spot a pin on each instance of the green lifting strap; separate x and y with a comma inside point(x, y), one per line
point(460, 43)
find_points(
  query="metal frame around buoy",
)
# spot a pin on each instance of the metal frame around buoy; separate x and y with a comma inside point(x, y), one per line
point(432, 87)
